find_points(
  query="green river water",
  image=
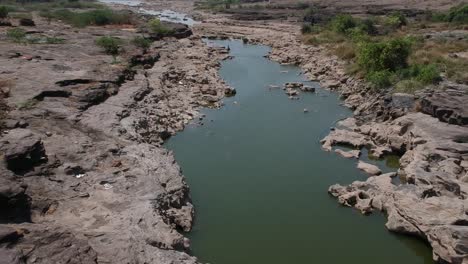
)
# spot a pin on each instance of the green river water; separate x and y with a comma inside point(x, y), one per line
point(259, 178)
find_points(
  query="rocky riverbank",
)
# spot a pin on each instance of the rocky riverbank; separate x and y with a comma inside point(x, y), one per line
point(428, 130)
point(84, 177)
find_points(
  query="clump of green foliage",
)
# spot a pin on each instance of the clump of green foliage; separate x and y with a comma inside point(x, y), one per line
point(306, 29)
point(18, 35)
point(142, 43)
point(376, 53)
point(343, 23)
point(98, 17)
point(380, 79)
point(386, 62)
point(4, 12)
point(384, 55)
point(395, 20)
point(111, 45)
point(456, 15)
point(155, 26)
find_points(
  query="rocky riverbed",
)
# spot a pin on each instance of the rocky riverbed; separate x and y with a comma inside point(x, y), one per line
point(85, 179)
point(84, 176)
point(429, 130)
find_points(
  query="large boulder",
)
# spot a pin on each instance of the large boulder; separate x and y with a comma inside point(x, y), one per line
point(23, 150)
point(448, 105)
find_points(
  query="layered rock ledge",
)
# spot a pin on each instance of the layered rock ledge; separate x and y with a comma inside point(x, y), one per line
point(84, 178)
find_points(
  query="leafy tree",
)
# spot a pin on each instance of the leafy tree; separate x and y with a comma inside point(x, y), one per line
point(385, 55)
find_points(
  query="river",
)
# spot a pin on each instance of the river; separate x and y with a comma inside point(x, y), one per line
point(259, 177)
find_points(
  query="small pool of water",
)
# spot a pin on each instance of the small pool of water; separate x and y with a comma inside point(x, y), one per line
point(259, 177)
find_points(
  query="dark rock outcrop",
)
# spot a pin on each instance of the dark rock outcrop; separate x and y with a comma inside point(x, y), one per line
point(23, 151)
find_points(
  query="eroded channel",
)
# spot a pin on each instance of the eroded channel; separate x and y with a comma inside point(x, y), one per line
point(259, 177)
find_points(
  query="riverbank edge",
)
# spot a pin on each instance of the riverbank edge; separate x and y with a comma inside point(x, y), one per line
point(113, 193)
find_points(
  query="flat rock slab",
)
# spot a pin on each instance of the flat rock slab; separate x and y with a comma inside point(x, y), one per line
point(369, 168)
point(349, 154)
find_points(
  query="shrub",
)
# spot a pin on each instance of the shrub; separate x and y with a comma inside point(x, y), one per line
point(457, 14)
point(306, 29)
point(342, 23)
point(428, 74)
point(396, 20)
point(142, 43)
point(16, 34)
point(385, 55)
point(111, 45)
point(4, 12)
point(367, 26)
point(424, 73)
point(380, 79)
point(157, 27)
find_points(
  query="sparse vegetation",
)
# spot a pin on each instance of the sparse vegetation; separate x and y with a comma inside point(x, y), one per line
point(342, 23)
point(111, 45)
point(142, 43)
point(456, 15)
point(18, 35)
point(385, 57)
point(4, 12)
point(157, 27)
point(98, 17)
point(395, 20)
point(28, 104)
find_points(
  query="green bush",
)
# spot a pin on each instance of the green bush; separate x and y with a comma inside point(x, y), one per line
point(457, 15)
point(380, 79)
point(4, 12)
point(342, 23)
point(99, 17)
point(142, 43)
point(111, 45)
point(306, 29)
point(396, 20)
point(425, 74)
point(384, 55)
point(428, 74)
point(157, 27)
point(16, 34)
point(367, 26)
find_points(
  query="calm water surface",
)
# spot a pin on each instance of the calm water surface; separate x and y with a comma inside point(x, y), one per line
point(259, 178)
